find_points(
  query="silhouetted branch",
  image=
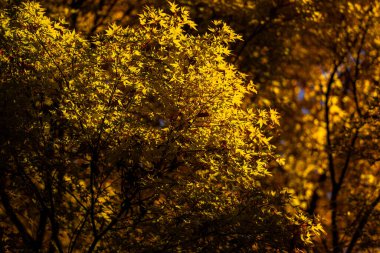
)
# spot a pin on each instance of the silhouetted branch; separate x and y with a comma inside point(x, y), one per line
point(363, 221)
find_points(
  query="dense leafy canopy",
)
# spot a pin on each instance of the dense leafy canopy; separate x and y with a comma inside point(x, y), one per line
point(136, 139)
point(182, 130)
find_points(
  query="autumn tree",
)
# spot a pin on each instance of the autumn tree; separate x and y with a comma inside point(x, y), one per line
point(317, 63)
point(319, 67)
point(135, 140)
point(343, 79)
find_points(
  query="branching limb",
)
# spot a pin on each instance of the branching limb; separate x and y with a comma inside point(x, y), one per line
point(362, 222)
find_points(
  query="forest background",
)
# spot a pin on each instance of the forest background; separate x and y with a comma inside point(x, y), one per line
point(98, 147)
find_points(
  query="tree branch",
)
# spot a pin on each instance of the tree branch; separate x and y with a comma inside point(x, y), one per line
point(11, 213)
point(125, 206)
point(363, 221)
point(331, 168)
point(348, 157)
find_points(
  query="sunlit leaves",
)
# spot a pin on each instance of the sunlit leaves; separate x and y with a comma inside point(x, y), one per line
point(145, 127)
